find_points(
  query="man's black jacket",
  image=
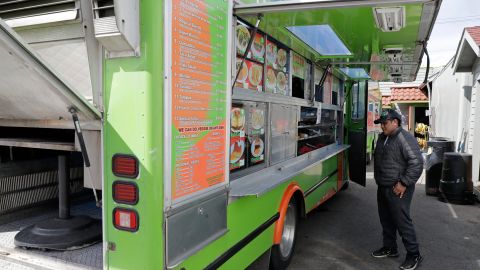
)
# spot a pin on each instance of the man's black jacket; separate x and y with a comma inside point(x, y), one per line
point(397, 158)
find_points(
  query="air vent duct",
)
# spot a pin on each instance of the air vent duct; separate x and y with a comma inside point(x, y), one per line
point(394, 55)
point(389, 19)
point(395, 69)
point(117, 26)
point(397, 80)
point(396, 77)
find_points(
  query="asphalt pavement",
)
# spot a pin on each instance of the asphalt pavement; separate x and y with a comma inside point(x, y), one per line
point(342, 233)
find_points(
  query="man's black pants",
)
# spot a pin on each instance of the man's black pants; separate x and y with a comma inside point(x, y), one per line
point(394, 215)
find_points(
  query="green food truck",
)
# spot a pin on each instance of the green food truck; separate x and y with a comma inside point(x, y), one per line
point(186, 134)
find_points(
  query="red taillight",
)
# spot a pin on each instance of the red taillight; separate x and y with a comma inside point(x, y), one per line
point(125, 166)
point(125, 219)
point(125, 192)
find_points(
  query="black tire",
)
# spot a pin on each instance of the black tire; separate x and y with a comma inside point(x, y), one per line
point(345, 185)
point(282, 253)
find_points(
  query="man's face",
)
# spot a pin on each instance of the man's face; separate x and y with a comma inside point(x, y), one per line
point(388, 126)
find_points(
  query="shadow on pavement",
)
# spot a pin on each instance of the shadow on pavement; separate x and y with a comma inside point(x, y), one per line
point(341, 233)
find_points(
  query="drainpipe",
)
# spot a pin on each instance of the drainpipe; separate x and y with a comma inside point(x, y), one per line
point(425, 81)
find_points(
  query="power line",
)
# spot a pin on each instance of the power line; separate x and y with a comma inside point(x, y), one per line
point(458, 19)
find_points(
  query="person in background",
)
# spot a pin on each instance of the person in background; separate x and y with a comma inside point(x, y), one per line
point(398, 165)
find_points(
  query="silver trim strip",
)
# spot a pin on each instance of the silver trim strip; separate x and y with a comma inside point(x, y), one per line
point(269, 178)
point(167, 108)
point(58, 124)
point(317, 185)
point(406, 63)
point(248, 95)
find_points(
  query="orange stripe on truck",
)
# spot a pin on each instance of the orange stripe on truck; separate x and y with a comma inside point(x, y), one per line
point(287, 196)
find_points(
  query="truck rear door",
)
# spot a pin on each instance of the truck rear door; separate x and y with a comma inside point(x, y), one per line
point(30, 91)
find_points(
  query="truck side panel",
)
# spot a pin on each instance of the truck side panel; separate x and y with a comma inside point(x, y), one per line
point(134, 112)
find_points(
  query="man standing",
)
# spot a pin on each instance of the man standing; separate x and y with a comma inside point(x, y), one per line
point(398, 165)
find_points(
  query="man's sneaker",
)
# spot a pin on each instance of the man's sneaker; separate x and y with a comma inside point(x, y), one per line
point(411, 262)
point(385, 252)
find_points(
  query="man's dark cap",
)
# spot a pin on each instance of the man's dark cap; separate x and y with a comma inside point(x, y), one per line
point(388, 114)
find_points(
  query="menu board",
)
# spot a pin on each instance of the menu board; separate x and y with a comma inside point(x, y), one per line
point(237, 137)
point(250, 76)
point(243, 36)
point(199, 88)
point(277, 57)
point(276, 76)
point(257, 49)
point(256, 132)
point(299, 66)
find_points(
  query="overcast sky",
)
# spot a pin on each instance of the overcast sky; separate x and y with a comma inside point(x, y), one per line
point(454, 16)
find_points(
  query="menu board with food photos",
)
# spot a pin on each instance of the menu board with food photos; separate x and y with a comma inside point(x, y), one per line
point(242, 38)
point(276, 78)
point(237, 137)
point(250, 76)
point(256, 132)
point(257, 50)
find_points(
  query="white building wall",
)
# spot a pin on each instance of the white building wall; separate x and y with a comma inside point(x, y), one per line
point(450, 104)
point(403, 108)
point(471, 120)
point(475, 117)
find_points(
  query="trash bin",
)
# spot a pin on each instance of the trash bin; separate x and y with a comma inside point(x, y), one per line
point(434, 161)
point(456, 183)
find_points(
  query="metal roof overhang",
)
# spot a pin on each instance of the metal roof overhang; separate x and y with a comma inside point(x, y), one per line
point(353, 21)
point(32, 94)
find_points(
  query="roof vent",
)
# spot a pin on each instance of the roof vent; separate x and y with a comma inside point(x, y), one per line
point(395, 69)
point(389, 19)
point(117, 27)
point(396, 77)
point(397, 80)
point(394, 55)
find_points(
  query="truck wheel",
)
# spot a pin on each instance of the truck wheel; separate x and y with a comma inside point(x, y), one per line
point(282, 253)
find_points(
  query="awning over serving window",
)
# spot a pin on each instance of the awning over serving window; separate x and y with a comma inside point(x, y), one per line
point(383, 37)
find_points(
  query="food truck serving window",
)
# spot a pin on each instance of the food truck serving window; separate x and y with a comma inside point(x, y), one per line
point(301, 77)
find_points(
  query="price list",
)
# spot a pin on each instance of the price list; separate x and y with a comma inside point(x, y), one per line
point(199, 87)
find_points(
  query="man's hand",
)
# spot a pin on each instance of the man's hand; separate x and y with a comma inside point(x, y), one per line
point(399, 189)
